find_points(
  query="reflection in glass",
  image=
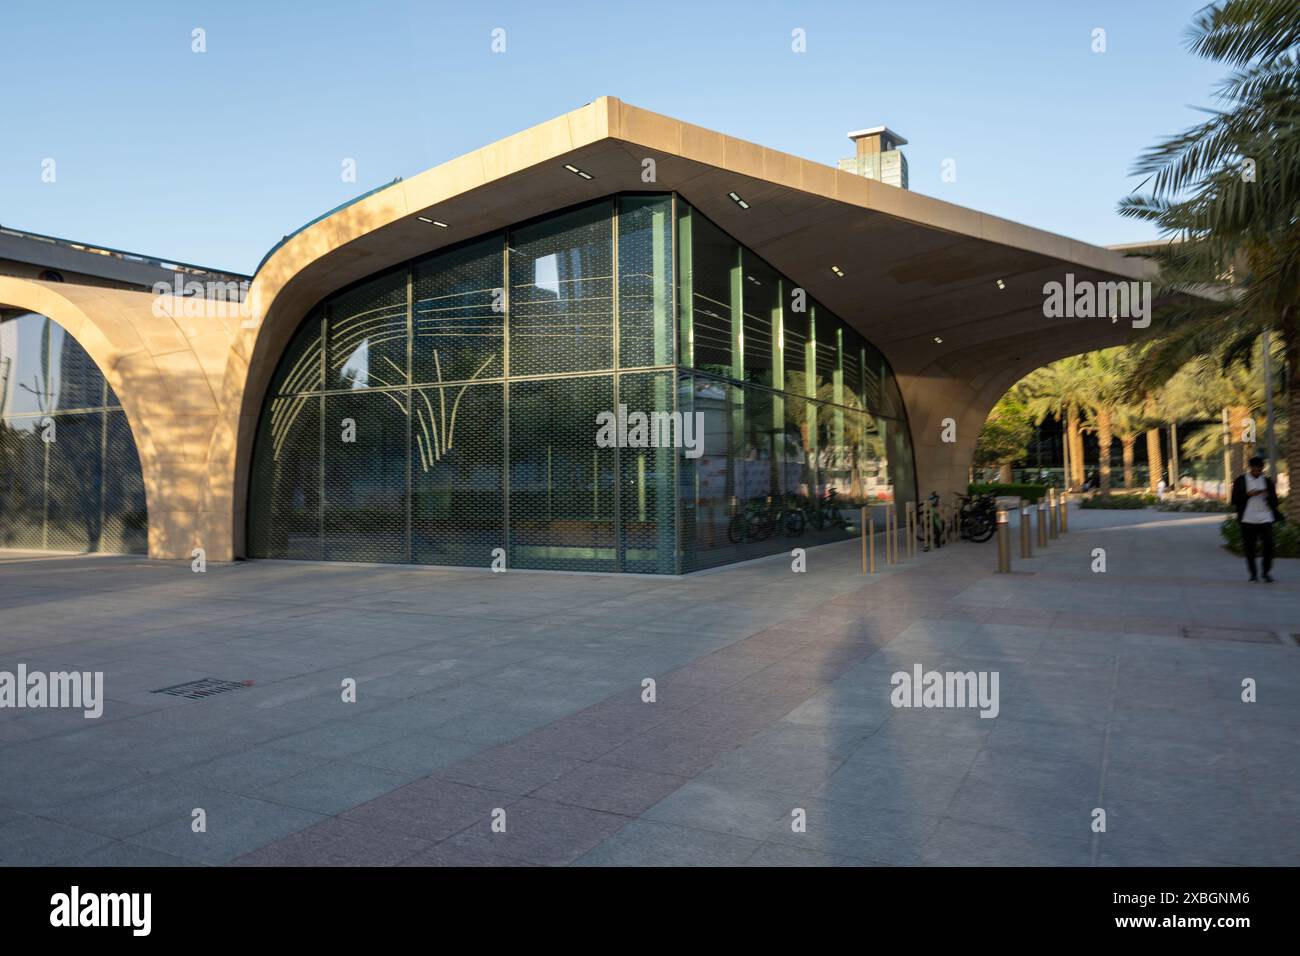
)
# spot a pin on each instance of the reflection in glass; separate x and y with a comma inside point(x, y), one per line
point(367, 336)
point(459, 315)
point(562, 293)
point(70, 477)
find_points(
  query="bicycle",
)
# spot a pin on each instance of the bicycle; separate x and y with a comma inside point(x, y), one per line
point(828, 513)
point(757, 521)
point(793, 515)
point(937, 529)
point(978, 518)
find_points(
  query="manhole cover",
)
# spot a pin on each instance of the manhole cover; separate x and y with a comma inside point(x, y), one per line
point(1251, 635)
point(205, 687)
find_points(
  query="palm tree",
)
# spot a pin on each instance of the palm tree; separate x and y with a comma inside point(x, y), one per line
point(1129, 420)
point(1061, 391)
point(1229, 189)
point(1106, 375)
point(1207, 389)
point(1155, 456)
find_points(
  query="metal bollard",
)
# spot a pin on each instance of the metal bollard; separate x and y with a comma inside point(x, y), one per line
point(871, 541)
point(1063, 502)
point(891, 533)
point(909, 523)
point(1004, 542)
point(862, 531)
point(928, 530)
point(1026, 544)
point(893, 509)
point(1042, 522)
point(1052, 516)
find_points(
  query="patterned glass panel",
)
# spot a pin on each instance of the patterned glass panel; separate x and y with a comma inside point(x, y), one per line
point(761, 296)
point(285, 506)
point(711, 480)
point(646, 470)
point(853, 349)
point(365, 467)
point(563, 488)
point(367, 335)
point(645, 281)
point(22, 484)
point(300, 368)
point(797, 322)
point(827, 353)
point(74, 483)
point(562, 293)
point(459, 314)
point(458, 504)
point(873, 372)
point(715, 260)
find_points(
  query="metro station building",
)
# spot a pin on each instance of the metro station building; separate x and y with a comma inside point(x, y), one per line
point(415, 377)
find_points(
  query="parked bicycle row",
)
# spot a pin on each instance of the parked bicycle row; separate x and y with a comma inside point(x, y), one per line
point(791, 514)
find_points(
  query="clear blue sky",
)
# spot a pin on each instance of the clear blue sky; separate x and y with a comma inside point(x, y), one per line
point(211, 158)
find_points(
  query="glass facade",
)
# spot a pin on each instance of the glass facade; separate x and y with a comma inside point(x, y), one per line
point(70, 477)
point(450, 411)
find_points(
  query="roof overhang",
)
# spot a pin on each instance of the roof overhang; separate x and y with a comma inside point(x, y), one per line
point(914, 268)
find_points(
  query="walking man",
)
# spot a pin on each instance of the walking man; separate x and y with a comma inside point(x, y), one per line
point(1255, 498)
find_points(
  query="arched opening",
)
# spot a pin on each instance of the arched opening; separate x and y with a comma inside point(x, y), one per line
point(70, 475)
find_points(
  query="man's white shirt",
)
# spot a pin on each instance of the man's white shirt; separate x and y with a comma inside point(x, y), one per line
point(1257, 509)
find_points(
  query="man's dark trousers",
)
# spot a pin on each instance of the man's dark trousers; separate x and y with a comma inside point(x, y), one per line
point(1253, 535)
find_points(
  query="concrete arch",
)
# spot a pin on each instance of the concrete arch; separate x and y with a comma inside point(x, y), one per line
point(965, 386)
point(163, 370)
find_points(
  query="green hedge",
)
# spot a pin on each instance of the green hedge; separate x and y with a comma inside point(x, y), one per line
point(1008, 489)
point(1118, 502)
point(1286, 537)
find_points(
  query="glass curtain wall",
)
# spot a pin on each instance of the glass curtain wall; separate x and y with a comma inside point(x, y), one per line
point(451, 416)
point(802, 420)
point(70, 477)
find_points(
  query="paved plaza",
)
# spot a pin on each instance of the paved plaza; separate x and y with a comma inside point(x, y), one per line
point(515, 701)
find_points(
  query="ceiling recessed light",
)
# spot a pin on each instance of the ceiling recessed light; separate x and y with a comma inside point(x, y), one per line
point(938, 340)
point(737, 200)
point(576, 171)
point(1001, 284)
point(432, 222)
point(838, 271)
